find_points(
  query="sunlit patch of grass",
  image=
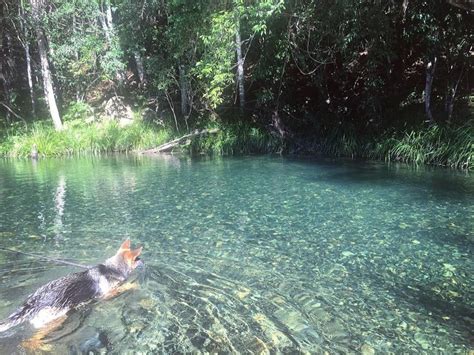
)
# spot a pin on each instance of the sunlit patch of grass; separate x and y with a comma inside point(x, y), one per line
point(85, 138)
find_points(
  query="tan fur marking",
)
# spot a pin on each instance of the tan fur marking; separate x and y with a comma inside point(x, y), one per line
point(130, 255)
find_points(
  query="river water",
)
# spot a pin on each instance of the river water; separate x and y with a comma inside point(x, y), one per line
point(247, 255)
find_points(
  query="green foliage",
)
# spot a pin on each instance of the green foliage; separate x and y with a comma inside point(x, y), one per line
point(215, 66)
point(78, 110)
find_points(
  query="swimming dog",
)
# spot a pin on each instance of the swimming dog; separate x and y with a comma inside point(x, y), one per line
point(53, 301)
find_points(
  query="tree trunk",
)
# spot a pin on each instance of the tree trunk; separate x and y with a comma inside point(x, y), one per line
point(430, 71)
point(183, 87)
point(105, 28)
point(4, 69)
point(404, 8)
point(106, 20)
point(77, 86)
point(45, 71)
point(30, 78)
point(108, 13)
point(450, 96)
point(26, 47)
point(240, 66)
point(140, 69)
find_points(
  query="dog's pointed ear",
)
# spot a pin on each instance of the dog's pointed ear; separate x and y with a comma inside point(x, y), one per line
point(125, 245)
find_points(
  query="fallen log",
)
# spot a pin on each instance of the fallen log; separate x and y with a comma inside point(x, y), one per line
point(168, 146)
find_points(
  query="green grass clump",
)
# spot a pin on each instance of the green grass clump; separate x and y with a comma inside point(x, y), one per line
point(237, 139)
point(434, 145)
point(81, 138)
point(443, 145)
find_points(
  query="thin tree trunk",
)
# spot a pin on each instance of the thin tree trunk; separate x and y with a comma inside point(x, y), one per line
point(404, 8)
point(106, 20)
point(183, 87)
point(105, 28)
point(108, 13)
point(451, 96)
point(240, 66)
point(4, 71)
point(30, 78)
point(26, 47)
point(140, 69)
point(430, 72)
point(45, 70)
point(170, 103)
point(77, 87)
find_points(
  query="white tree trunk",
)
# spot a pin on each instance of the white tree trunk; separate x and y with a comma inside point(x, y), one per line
point(103, 22)
point(240, 66)
point(30, 78)
point(45, 71)
point(26, 47)
point(108, 13)
point(140, 69)
point(106, 20)
point(430, 71)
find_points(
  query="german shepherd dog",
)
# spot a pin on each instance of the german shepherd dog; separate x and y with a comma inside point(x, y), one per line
point(50, 304)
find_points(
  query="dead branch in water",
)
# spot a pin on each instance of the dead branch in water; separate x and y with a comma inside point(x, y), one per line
point(175, 142)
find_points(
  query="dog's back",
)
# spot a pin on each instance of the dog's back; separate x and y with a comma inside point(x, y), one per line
point(58, 297)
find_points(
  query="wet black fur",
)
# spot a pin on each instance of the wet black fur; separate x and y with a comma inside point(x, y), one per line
point(67, 292)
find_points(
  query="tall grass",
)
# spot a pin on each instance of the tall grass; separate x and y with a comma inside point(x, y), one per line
point(238, 138)
point(442, 145)
point(435, 145)
point(82, 138)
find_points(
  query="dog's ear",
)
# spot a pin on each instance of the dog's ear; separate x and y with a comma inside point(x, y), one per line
point(125, 245)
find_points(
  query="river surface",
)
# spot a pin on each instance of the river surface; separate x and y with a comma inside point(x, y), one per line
point(247, 255)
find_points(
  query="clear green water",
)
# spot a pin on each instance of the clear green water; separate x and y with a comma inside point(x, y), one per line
point(248, 255)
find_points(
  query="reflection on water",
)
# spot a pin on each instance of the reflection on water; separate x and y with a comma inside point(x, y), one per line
point(256, 255)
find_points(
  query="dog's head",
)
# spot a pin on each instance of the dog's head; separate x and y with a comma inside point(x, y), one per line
point(131, 257)
point(125, 260)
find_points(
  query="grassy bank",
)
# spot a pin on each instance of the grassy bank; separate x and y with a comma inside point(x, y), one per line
point(108, 136)
point(81, 138)
point(435, 145)
point(450, 146)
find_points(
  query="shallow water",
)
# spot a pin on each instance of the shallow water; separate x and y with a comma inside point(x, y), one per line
point(251, 255)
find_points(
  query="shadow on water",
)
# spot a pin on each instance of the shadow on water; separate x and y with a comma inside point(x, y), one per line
point(457, 312)
point(436, 182)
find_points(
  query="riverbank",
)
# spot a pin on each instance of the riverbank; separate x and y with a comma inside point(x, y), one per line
point(450, 146)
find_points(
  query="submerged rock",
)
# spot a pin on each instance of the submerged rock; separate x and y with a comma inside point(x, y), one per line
point(367, 350)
